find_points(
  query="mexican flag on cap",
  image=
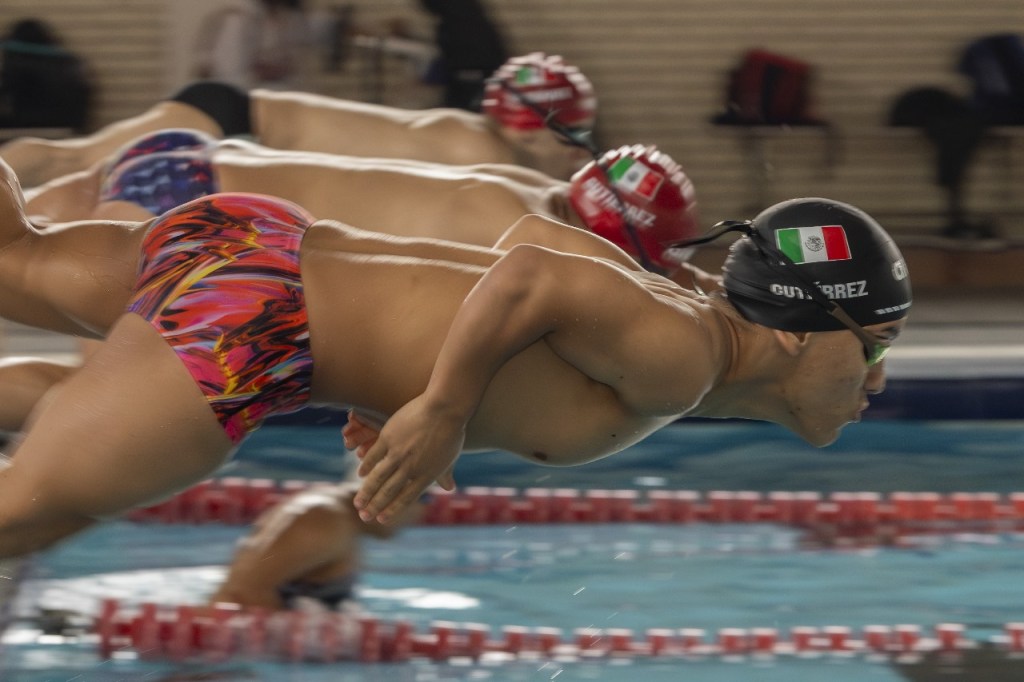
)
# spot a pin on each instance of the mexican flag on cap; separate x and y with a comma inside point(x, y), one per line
point(633, 176)
point(529, 75)
point(813, 244)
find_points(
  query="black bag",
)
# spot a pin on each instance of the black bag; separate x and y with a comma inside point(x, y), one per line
point(995, 65)
point(471, 48)
point(950, 123)
point(42, 85)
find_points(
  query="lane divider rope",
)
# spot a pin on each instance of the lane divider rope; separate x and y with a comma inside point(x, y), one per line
point(226, 631)
point(241, 500)
point(191, 632)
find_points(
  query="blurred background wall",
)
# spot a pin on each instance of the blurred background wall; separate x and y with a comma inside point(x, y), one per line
point(660, 69)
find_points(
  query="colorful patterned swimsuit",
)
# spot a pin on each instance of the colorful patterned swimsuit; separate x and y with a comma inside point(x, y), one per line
point(219, 279)
point(161, 170)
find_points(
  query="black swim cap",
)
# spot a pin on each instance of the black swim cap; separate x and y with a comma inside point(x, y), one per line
point(828, 244)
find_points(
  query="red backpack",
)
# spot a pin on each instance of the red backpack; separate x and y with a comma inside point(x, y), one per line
point(769, 89)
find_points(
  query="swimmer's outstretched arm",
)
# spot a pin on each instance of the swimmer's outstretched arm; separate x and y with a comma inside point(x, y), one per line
point(551, 234)
point(584, 309)
point(516, 303)
point(359, 434)
point(358, 240)
point(535, 229)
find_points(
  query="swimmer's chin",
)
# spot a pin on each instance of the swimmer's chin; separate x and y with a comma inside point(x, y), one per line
point(820, 439)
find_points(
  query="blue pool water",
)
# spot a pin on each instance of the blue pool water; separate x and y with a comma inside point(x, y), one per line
point(633, 576)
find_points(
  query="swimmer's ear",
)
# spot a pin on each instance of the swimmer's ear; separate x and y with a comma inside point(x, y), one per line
point(792, 343)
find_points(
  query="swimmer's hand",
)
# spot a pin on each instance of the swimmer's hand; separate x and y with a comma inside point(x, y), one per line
point(358, 434)
point(416, 447)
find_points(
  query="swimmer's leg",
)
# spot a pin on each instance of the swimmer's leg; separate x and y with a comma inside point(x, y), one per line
point(37, 160)
point(73, 278)
point(129, 428)
point(13, 222)
point(64, 199)
point(23, 384)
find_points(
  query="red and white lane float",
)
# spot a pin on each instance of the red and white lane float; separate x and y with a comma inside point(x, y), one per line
point(226, 631)
point(240, 501)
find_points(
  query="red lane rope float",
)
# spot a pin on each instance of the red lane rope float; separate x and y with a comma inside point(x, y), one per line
point(226, 631)
point(240, 501)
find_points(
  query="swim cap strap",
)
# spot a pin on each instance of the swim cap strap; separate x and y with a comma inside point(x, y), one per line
point(634, 236)
point(780, 262)
point(717, 230)
point(549, 116)
point(776, 260)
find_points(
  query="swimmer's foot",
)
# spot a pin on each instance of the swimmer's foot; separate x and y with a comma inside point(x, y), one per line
point(13, 222)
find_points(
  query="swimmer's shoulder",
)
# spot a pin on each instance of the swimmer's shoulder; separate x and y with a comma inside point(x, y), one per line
point(700, 309)
point(447, 120)
point(461, 137)
point(280, 114)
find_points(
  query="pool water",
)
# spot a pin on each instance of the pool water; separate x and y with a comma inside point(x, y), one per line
point(635, 576)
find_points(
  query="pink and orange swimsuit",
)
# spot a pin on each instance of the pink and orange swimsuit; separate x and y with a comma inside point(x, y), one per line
point(219, 280)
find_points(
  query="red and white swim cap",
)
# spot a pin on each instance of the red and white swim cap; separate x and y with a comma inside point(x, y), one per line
point(548, 83)
point(646, 187)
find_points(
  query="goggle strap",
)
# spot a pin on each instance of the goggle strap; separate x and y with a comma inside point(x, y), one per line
point(775, 259)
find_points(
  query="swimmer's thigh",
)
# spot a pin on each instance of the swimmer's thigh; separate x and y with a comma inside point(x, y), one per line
point(130, 427)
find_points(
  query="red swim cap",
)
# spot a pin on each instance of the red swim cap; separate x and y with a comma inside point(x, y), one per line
point(546, 81)
point(653, 191)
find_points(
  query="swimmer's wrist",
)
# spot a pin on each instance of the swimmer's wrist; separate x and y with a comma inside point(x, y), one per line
point(446, 406)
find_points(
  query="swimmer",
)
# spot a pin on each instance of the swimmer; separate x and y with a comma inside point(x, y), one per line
point(468, 204)
point(474, 205)
point(25, 382)
point(235, 307)
point(304, 550)
point(507, 131)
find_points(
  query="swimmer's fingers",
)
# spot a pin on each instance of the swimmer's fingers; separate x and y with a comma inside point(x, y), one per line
point(447, 479)
point(389, 484)
point(410, 492)
point(415, 448)
point(371, 460)
point(359, 431)
point(358, 435)
point(413, 493)
point(395, 478)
